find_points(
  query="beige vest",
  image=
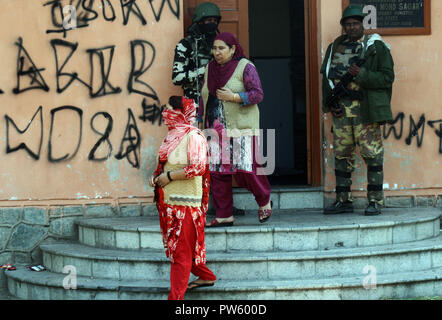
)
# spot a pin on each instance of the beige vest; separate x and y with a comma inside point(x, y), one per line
point(182, 192)
point(240, 120)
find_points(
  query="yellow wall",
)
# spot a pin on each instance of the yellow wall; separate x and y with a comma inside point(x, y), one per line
point(26, 180)
point(409, 169)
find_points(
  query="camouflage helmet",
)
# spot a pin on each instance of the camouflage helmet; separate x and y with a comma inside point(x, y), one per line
point(353, 11)
point(205, 10)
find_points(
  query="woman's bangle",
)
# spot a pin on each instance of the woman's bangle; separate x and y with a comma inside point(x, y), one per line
point(168, 176)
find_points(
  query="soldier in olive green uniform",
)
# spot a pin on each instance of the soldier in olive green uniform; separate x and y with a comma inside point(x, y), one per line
point(365, 108)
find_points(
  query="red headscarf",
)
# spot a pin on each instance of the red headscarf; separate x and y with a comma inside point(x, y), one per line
point(180, 123)
point(219, 75)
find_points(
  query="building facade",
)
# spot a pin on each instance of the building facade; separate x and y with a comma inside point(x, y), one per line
point(83, 86)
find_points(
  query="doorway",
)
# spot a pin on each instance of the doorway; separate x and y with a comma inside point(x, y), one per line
point(277, 48)
point(281, 39)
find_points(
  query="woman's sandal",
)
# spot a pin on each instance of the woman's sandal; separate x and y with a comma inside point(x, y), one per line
point(37, 268)
point(264, 214)
point(215, 223)
point(8, 266)
point(197, 284)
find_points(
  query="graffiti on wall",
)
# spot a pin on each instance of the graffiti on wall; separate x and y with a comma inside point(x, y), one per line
point(416, 130)
point(66, 17)
point(81, 13)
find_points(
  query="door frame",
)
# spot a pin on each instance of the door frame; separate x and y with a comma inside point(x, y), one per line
point(313, 101)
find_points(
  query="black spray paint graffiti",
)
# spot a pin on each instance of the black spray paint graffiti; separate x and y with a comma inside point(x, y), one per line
point(99, 59)
point(438, 131)
point(416, 130)
point(130, 145)
point(80, 130)
point(152, 112)
point(34, 154)
point(82, 13)
point(130, 142)
point(104, 137)
point(105, 4)
point(89, 10)
point(174, 6)
point(55, 43)
point(128, 7)
point(26, 68)
point(104, 71)
point(146, 48)
point(66, 123)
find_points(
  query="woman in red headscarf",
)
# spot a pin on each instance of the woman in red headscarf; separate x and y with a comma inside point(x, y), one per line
point(230, 97)
point(182, 188)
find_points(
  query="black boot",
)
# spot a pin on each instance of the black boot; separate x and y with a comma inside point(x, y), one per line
point(339, 207)
point(373, 209)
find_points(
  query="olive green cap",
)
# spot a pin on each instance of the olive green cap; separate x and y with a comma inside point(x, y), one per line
point(353, 10)
point(205, 10)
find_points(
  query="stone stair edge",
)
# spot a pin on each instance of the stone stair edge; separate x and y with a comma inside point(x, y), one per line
point(285, 189)
point(106, 224)
point(51, 279)
point(81, 251)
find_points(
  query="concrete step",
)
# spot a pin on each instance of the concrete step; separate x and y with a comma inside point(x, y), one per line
point(283, 197)
point(47, 285)
point(147, 264)
point(287, 230)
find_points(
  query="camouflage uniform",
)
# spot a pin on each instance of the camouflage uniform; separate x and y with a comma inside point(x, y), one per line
point(192, 54)
point(349, 131)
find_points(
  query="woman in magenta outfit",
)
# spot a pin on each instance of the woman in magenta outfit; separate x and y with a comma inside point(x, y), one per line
point(230, 95)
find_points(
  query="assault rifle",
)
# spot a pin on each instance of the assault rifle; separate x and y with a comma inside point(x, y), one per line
point(341, 91)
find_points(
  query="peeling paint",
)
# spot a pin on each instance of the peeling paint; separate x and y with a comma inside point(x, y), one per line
point(81, 196)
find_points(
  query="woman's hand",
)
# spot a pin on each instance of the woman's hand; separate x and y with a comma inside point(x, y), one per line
point(225, 94)
point(162, 180)
point(152, 181)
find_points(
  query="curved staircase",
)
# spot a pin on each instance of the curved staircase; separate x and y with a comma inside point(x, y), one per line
point(298, 254)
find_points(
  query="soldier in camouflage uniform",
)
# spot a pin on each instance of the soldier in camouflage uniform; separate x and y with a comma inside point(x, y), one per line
point(194, 52)
point(365, 108)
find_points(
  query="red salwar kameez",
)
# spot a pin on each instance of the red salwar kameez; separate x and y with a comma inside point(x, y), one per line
point(182, 227)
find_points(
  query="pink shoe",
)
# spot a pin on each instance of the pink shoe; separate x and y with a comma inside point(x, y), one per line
point(264, 214)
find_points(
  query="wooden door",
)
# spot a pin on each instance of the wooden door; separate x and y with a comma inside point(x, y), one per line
point(234, 18)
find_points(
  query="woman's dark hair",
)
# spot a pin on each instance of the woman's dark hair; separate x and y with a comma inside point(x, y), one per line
point(176, 102)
